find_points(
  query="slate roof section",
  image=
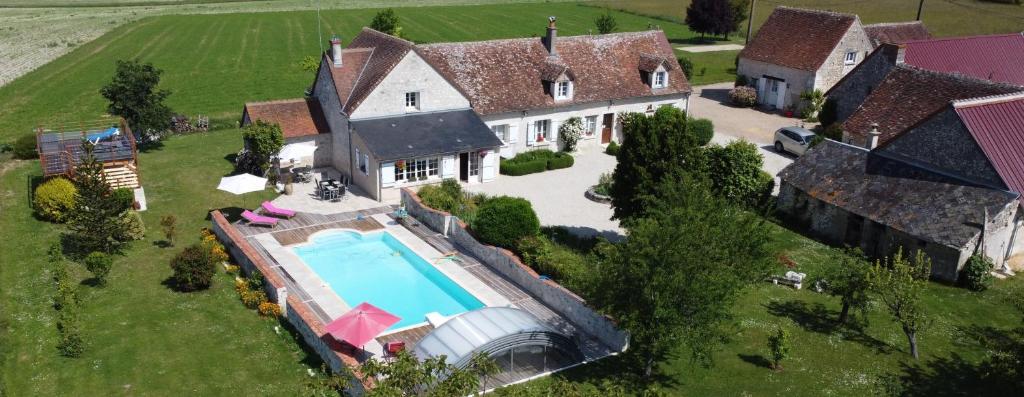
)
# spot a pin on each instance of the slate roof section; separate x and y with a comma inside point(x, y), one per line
point(997, 124)
point(864, 183)
point(500, 76)
point(798, 38)
point(908, 95)
point(297, 117)
point(994, 57)
point(417, 135)
point(896, 32)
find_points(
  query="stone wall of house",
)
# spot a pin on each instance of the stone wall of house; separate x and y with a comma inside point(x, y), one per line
point(323, 157)
point(835, 66)
point(411, 74)
point(327, 94)
point(855, 87)
point(797, 81)
point(520, 123)
point(561, 300)
point(943, 142)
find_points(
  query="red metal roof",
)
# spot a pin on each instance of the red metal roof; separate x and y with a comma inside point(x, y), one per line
point(997, 124)
point(995, 57)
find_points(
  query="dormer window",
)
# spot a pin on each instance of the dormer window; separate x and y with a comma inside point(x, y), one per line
point(412, 101)
point(563, 90)
point(659, 79)
point(851, 58)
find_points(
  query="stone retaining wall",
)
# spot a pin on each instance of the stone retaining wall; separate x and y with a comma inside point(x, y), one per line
point(558, 298)
point(298, 313)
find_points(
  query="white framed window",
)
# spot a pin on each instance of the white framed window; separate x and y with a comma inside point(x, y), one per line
point(851, 58)
point(474, 164)
point(563, 90)
point(542, 130)
point(660, 79)
point(501, 131)
point(417, 169)
point(433, 166)
point(412, 101)
point(590, 125)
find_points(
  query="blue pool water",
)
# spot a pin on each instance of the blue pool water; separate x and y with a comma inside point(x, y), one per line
point(379, 269)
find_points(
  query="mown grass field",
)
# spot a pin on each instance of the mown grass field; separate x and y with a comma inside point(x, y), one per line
point(214, 63)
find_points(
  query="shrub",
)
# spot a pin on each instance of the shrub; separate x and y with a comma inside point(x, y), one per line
point(560, 160)
point(827, 115)
point(71, 343)
point(527, 162)
point(741, 81)
point(778, 345)
point(241, 286)
point(449, 197)
point(550, 259)
point(130, 227)
point(834, 132)
point(125, 197)
point(503, 221)
point(977, 273)
point(605, 23)
point(54, 199)
point(25, 147)
point(253, 298)
point(262, 140)
point(269, 309)
point(231, 269)
point(99, 265)
point(743, 96)
point(193, 268)
point(168, 223)
point(570, 132)
point(687, 65)
point(735, 172)
point(612, 149)
point(703, 129)
point(604, 184)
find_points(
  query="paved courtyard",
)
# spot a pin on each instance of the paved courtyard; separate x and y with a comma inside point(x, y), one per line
point(557, 195)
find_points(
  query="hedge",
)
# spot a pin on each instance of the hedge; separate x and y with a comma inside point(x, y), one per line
point(534, 161)
point(561, 160)
point(517, 169)
point(503, 221)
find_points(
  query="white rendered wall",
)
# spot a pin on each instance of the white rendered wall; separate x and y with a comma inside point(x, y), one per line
point(518, 121)
point(411, 74)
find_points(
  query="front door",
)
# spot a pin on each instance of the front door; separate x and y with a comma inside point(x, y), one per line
point(464, 167)
point(771, 94)
point(606, 128)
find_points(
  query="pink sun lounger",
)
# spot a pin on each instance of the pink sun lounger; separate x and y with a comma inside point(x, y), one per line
point(275, 211)
point(259, 219)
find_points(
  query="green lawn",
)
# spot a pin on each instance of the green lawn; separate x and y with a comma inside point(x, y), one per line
point(214, 63)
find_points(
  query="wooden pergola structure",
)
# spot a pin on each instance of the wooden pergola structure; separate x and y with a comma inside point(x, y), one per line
point(61, 149)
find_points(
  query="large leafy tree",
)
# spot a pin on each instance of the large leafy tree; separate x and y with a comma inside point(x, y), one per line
point(735, 173)
point(847, 279)
point(386, 21)
point(713, 17)
point(675, 278)
point(740, 9)
point(262, 141)
point(134, 94)
point(93, 224)
point(899, 282)
point(654, 149)
point(406, 375)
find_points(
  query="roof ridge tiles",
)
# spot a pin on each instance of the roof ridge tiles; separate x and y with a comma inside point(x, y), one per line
point(538, 39)
point(882, 24)
point(974, 37)
point(395, 38)
point(956, 76)
point(816, 11)
point(988, 100)
point(275, 101)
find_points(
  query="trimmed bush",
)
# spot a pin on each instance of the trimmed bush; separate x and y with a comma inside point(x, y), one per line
point(561, 160)
point(743, 96)
point(125, 198)
point(130, 227)
point(99, 265)
point(612, 149)
point(503, 221)
point(54, 199)
point(25, 147)
point(977, 273)
point(449, 197)
point(517, 169)
point(703, 129)
point(193, 268)
point(553, 260)
point(534, 161)
point(687, 65)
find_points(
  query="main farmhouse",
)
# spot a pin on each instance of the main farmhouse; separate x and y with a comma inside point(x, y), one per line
point(931, 158)
point(798, 50)
point(390, 113)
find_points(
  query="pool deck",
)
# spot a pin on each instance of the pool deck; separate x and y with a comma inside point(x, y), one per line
point(489, 287)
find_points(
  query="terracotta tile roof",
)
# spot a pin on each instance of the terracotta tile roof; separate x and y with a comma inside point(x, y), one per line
point(387, 51)
point(297, 117)
point(553, 68)
point(798, 38)
point(994, 57)
point(899, 195)
point(997, 124)
point(896, 32)
point(352, 66)
point(506, 75)
point(649, 63)
point(909, 95)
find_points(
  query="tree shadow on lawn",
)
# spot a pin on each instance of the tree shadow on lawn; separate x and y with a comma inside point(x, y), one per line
point(696, 40)
point(620, 371)
point(756, 359)
point(816, 318)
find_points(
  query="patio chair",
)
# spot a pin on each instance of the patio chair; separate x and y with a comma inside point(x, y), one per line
point(391, 349)
point(260, 220)
point(271, 209)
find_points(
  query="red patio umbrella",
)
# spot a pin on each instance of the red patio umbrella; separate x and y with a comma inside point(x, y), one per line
point(361, 324)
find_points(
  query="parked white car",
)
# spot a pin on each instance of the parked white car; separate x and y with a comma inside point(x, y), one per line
point(795, 140)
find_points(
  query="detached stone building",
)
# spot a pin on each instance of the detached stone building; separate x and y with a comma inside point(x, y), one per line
point(798, 50)
point(949, 185)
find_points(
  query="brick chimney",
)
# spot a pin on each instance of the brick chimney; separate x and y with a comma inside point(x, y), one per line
point(336, 50)
point(549, 40)
point(873, 136)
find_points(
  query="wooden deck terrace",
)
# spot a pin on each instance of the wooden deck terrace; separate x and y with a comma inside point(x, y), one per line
point(298, 228)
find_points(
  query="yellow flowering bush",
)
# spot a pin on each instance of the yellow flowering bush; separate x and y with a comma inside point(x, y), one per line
point(254, 298)
point(241, 286)
point(232, 269)
point(269, 309)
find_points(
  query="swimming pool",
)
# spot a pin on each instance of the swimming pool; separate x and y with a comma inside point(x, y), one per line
point(379, 269)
